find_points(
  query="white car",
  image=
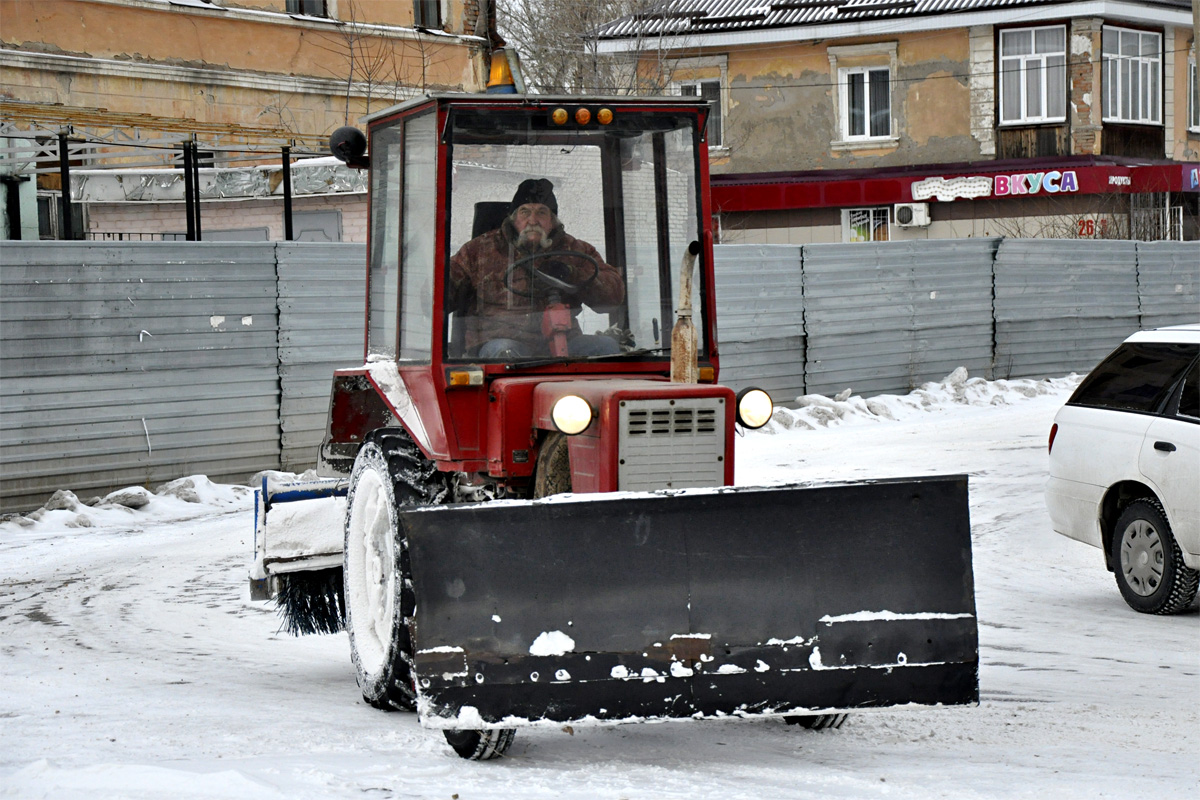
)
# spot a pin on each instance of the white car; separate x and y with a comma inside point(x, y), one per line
point(1125, 467)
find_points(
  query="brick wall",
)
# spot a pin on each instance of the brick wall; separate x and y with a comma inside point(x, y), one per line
point(1083, 55)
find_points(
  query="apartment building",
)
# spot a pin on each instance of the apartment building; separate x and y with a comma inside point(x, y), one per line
point(868, 120)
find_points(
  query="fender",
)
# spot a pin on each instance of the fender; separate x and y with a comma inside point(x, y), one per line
point(362, 400)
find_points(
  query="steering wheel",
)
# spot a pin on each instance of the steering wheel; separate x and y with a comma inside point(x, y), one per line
point(542, 282)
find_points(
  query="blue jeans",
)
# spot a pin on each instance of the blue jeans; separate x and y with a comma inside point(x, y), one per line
point(582, 345)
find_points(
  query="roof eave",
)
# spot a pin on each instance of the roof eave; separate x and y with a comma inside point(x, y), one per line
point(1121, 10)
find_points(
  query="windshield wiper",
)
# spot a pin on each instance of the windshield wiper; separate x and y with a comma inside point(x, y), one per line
point(545, 362)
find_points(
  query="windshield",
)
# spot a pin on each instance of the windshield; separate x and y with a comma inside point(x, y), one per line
point(566, 241)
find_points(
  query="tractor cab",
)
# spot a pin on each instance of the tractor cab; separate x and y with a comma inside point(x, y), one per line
point(516, 236)
point(624, 178)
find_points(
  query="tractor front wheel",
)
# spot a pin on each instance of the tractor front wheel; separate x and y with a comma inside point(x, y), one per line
point(817, 722)
point(389, 473)
point(553, 466)
point(481, 745)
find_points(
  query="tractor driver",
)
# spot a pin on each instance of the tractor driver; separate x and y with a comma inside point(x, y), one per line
point(503, 304)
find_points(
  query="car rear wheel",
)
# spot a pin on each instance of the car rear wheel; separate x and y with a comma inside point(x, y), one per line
point(1148, 563)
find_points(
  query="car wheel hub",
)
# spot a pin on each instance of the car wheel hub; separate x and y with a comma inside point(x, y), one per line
point(1142, 557)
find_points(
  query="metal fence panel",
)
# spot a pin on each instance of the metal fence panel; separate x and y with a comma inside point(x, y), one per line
point(1062, 305)
point(134, 364)
point(888, 317)
point(322, 295)
point(761, 318)
point(1168, 275)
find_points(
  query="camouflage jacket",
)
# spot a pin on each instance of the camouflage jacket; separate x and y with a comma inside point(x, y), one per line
point(491, 311)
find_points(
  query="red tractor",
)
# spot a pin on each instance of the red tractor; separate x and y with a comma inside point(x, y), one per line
point(539, 523)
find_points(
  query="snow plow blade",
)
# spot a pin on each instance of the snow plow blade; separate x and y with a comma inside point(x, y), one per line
point(705, 603)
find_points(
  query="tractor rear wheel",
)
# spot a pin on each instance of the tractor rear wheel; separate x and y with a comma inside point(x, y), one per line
point(389, 473)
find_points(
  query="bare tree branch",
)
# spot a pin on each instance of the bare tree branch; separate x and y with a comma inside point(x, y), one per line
point(559, 45)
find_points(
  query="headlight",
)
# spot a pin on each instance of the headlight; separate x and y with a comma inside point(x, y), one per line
point(754, 408)
point(571, 414)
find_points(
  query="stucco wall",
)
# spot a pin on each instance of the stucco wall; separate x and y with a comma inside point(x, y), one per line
point(782, 112)
point(240, 67)
point(186, 35)
point(783, 115)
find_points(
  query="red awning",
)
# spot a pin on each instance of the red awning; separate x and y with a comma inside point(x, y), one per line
point(769, 191)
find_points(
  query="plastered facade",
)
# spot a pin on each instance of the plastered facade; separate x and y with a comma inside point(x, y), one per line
point(783, 114)
point(248, 64)
point(784, 111)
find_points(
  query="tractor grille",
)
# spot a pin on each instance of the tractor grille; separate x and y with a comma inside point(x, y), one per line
point(671, 444)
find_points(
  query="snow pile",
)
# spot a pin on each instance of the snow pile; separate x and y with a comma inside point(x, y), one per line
point(194, 496)
point(956, 389)
point(552, 643)
point(181, 499)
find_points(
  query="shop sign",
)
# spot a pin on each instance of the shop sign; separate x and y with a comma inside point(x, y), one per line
point(1051, 182)
point(946, 189)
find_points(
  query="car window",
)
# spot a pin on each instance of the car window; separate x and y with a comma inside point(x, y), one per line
point(1189, 398)
point(1137, 376)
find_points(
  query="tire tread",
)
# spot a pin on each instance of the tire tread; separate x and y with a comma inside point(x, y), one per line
point(1180, 582)
point(415, 481)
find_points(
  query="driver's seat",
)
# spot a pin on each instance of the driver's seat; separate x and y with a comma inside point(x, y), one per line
point(489, 215)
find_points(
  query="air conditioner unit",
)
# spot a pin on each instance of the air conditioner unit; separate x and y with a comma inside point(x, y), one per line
point(911, 215)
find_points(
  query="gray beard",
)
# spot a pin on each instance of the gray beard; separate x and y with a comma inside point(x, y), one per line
point(524, 243)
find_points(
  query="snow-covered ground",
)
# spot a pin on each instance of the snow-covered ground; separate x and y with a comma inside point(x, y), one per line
point(134, 665)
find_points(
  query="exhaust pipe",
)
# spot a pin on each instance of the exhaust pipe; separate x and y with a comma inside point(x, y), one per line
point(684, 368)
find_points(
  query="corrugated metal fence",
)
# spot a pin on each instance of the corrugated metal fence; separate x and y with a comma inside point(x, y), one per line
point(138, 363)
point(321, 303)
point(888, 317)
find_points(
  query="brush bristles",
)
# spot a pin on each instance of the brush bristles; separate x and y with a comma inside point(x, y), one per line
point(312, 602)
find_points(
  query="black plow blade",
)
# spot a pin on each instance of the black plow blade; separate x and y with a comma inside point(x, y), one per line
point(707, 603)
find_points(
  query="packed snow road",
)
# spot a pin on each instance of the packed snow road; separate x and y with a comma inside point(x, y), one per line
point(133, 664)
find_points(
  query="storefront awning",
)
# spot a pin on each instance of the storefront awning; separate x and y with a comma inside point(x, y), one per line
point(780, 191)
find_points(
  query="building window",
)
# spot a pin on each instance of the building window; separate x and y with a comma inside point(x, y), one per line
point(310, 8)
point(866, 103)
point(711, 91)
point(1132, 76)
point(866, 224)
point(427, 13)
point(1193, 98)
point(1033, 75)
point(862, 101)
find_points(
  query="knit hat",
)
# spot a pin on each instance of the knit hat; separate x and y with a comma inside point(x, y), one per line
point(535, 190)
